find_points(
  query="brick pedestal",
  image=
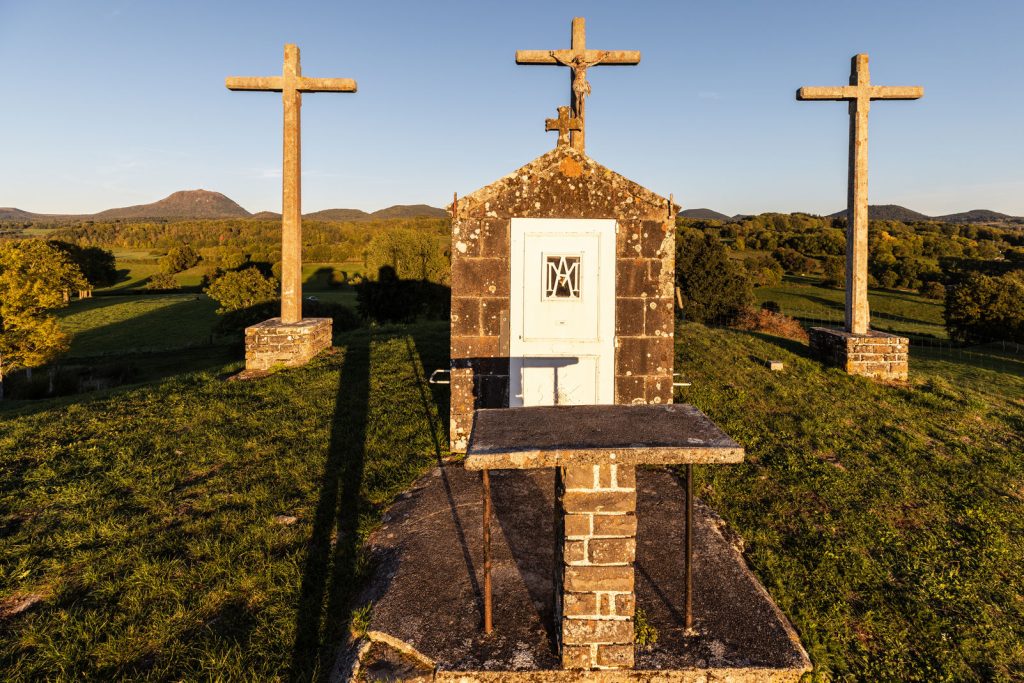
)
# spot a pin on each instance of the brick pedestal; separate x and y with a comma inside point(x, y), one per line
point(878, 355)
point(598, 604)
point(274, 343)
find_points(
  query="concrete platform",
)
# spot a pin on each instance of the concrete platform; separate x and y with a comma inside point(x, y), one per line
point(427, 600)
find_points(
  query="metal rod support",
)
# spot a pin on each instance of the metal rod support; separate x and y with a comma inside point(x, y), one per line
point(689, 547)
point(486, 478)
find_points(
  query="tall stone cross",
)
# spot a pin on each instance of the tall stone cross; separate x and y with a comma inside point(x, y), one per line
point(291, 84)
point(563, 124)
point(860, 92)
point(578, 58)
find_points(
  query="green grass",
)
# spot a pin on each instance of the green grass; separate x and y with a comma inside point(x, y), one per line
point(885, 521)
point(152, 522)
point(115, 325)
point(891, 310)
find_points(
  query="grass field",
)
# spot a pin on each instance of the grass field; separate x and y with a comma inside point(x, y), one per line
point(116, 325)
point(891, 310)
point(192, 528)
point(316, 277)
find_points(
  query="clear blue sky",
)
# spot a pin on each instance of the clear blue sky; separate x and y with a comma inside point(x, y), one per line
point(116, 102)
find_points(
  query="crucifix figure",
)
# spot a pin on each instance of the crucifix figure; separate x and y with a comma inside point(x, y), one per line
point(563, 124)
point(578, 58)
point(860, 92)
point(291, 84)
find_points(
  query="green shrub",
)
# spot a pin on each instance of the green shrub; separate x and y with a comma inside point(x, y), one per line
point(240, 289)
point(982, 308)
point(711, 286)
point(389, 299)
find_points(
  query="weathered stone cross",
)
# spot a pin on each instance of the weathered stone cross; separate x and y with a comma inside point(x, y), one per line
point(578, 58)
point(563, 124)
point(291, 84)
point(860, 92)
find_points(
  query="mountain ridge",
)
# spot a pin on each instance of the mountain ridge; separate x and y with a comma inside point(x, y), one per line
point(207, 204)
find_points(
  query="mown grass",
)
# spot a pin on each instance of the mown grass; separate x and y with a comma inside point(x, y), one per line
point(885, 521)
point(115, 325)
point(202, 529)
point(154, 524)
point(891, 310)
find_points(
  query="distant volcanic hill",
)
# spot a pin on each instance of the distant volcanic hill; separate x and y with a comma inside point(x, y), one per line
point(704, 215)
point(183, 204)
point(976, 216)
point(337, 215)
point(410, 211)
point(889, 212)
point(204, 204)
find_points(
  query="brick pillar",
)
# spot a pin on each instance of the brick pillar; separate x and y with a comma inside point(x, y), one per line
point(598, 603)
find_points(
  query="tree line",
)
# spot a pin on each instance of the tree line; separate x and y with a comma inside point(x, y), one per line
point(974, 269)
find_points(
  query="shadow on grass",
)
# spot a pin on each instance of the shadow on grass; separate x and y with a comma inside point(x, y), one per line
point(329, 575)
point(791, 345)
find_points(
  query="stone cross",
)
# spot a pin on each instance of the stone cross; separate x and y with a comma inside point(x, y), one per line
point(860, 92)
point(291, 84)
point(578, 58)
point(563, 124)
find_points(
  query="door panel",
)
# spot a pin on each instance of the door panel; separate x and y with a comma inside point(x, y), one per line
point(562, 312)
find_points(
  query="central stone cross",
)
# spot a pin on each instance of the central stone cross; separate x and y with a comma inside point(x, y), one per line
point(578, 58)
point(291, 84)
point(860, 92)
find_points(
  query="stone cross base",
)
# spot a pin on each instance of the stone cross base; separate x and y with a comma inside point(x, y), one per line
point(273, 343)
point(877, 355)
point(598, 505)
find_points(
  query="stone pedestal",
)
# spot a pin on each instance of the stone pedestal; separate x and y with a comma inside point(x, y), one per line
point(598, 602)
point(878, 355)
point(274, 343)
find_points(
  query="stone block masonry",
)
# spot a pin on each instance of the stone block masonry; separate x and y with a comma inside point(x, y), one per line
point(273, 343)
point(877, 355)
point(599, 507)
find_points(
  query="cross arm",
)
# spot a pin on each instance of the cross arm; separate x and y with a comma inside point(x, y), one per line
point(272, 83)
point(840, 92)
point(593, 56)
point(897, 92)
point(326, 85)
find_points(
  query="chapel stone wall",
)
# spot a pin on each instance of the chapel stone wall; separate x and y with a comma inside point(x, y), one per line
point(563, 183)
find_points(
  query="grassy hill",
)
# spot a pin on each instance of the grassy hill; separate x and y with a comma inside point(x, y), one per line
point(194, 528)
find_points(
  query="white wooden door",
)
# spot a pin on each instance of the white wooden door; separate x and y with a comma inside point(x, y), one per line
point(562, 312)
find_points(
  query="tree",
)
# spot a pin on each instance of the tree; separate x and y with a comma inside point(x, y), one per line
point(34, 275)
point(834, 268)
point(179, 259)
point(98, 266)
point(711, 286)
point(162, 281)
point(240, 289)
point(982, 308)
point(932, 289)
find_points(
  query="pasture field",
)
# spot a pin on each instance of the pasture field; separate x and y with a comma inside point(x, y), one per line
point(894, 311)
point(118, 325)
point(191, 528)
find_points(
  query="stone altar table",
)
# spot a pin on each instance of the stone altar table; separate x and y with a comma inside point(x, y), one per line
point(595, 450)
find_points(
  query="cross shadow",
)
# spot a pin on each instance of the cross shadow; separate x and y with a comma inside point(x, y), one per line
point(528, 518)
point(329, 574)
point(439, 452)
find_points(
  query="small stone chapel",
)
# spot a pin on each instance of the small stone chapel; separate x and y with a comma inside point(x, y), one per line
point(562, 277)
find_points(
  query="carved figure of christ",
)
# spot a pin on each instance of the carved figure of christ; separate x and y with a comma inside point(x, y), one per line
point(578, 58)
point(291, 84)
point(859, 93)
